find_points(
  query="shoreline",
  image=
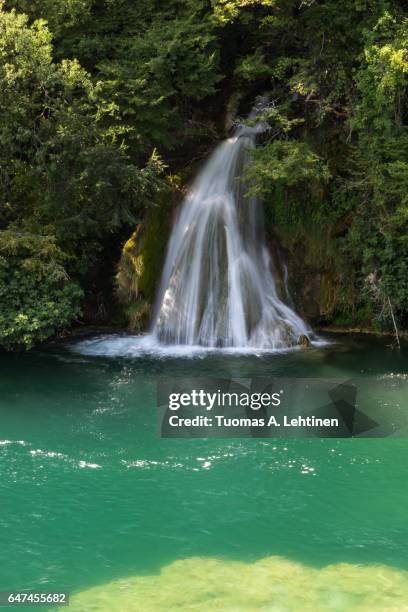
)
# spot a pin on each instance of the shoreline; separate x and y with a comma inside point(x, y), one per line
point(79, 332)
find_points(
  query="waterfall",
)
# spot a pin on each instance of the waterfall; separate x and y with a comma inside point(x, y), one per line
point(217, 287)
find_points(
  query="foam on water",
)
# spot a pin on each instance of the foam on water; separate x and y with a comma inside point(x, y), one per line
point(148, 345)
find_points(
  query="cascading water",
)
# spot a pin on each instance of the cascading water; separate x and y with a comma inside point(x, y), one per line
point(217, 288)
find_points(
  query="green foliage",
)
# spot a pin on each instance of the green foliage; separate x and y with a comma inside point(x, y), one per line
point(339, 149)
point(284, 162)
point(290, 178)
point(253, 67)
point(382, 78)
point(379, 175)
point(61, 169)
point(227, 11)
point(36, 295)
point(60, 14)
point(173, 63)
point(99, 97)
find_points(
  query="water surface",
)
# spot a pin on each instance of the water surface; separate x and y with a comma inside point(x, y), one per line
point(91, 495)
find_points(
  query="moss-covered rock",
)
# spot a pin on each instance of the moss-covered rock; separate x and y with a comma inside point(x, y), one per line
point(142, 260)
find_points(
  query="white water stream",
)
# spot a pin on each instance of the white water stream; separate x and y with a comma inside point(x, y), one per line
point(217, 289)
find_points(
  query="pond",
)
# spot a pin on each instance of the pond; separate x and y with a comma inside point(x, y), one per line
point(95, 503)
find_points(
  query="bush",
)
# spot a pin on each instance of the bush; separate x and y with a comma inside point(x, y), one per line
point(37, 298)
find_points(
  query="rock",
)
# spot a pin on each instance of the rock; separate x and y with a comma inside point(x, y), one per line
point(303, 341)
point(232, 110)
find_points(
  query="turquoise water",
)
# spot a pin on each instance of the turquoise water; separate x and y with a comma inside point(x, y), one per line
point(90, 494)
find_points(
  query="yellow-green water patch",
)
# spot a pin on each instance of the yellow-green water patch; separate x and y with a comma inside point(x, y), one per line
point(272, 584)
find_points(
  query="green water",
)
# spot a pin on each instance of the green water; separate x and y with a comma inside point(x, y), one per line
point(90, 494)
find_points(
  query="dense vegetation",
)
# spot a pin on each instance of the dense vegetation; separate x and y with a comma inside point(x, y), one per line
point(105, 105)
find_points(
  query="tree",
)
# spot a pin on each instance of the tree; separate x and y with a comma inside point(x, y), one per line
point(37, 297)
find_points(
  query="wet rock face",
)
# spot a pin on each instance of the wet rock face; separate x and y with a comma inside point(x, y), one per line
point(231, 112)
point(304, 341)
point(300, 282)
point(320, 285)
point(307, 292)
